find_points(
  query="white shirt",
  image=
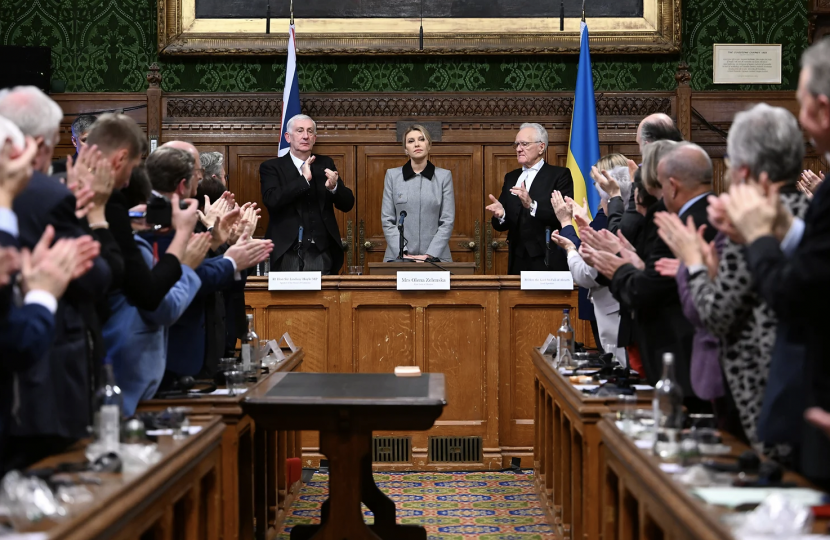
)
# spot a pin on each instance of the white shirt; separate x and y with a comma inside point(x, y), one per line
point(299, 164)
point(527, 176)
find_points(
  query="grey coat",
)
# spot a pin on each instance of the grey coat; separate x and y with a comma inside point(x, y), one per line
point(430, 206)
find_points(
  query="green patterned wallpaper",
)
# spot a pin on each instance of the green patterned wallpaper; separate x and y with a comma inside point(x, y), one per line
point(106, 45)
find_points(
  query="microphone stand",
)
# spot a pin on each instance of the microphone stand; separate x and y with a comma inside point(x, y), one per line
point(300, 251)
point(401, 242)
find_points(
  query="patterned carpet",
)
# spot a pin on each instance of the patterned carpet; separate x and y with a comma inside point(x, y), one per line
point(452, 506)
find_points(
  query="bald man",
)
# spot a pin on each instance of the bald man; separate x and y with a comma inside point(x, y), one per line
point(685, 173)
point(198, 171)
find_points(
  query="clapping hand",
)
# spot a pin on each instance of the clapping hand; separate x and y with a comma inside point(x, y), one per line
point(9, 264)
point(580, 213)
point(605, 182)
point(752, 213)
point(15, 170)
point(809, 182)
point(331, 179)
point(522, 193)
point(197, 248)
point(306, 168)
point(562, 209)
point(683, 240)
point(605, 263)
point(667, 267)
point(495, 207)
point(214, 212)
point(561, 241)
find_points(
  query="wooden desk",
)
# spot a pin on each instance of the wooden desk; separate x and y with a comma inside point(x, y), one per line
point(177, 498)
point(640, 501)
point(566, 458)
point(238, 455)
point(346, 408)
point(392, 268)
point(478, 334)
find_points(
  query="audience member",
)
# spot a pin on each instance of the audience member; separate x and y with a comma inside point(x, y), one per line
point(213, 167)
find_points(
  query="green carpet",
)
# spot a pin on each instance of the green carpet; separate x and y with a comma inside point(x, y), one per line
point(452, 506)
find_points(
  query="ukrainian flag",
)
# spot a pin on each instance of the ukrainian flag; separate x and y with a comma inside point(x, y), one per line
point(583, 148)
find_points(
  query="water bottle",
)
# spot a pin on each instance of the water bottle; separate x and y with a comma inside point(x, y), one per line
point(109, 406)
point(565, 336)
point(250, 344)
point(668, 412)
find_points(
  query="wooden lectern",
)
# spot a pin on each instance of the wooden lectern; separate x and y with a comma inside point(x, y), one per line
point(392, 268)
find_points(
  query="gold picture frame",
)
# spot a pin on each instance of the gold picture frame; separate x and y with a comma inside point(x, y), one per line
point(180, 32)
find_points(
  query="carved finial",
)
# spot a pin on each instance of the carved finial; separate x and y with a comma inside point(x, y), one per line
point(682, 76)
point(154, 75)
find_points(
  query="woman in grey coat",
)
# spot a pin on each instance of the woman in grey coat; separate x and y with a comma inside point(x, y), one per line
point(425, 193)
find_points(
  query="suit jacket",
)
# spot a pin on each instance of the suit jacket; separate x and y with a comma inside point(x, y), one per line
point(282, 190)
point(56, 393)
point(798, 290)
point(550, 178)
point(654, 302)
point(429, 202)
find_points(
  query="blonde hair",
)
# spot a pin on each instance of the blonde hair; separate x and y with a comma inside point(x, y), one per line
point(422, 130)
point(611, 161)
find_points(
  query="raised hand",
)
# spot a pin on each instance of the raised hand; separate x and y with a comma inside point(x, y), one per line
point(580, 213)
point(223, 228)
point(306, 168)
point(561, 241)
point(752, 213)
point(522, 193)
point(247, 252)
point(682, 240)
point(562, 209)
point(605, 182)
point(495, 207)
point(215, 211)
point(720, 220)
point(184, 220)
point(331, 179)
point(54, 270)
point(667, 267)
point(15, 171)
point(197, 248)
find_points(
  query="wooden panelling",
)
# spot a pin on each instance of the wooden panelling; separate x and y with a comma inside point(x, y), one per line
point(498, 161)
point(383, 337)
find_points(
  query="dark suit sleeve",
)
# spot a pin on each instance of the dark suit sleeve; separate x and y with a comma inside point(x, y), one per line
point(510, 218)
point(797, 287)
point(564, 184)
point(25, 336)
point(569, 232)
point(631, 223)
point(616, 209)
point(343, 197)
point(279, 191)
point(642, 289)
point(143, 287)
point(111, 253)
point(216, 275)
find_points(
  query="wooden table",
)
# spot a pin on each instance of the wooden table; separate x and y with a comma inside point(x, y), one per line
point(640, 501)
point(392, 268)
point(238, 469)
point(566, 458)
point(178, 498)
point(345, 408)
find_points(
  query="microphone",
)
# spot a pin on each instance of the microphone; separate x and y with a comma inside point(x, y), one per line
point(547, 244)
point(300, 236)
point(401, 218)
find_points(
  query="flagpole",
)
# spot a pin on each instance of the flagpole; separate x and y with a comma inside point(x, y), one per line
point(291, 8)
point(583, 10)
point(268, 18)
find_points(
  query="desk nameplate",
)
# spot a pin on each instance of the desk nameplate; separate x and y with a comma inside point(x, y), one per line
point(423, 281)
point(295, 281)
point(547, 281)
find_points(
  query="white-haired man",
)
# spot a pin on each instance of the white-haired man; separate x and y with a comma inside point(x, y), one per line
point(524, 208)
point(301, 191)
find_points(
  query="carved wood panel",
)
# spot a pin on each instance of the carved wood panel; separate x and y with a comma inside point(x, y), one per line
point(383, 337)
point(526, 320)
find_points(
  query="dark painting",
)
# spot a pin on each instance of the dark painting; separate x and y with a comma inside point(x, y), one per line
point(409, 9)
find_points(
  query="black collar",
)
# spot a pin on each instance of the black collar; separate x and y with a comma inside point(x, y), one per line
point(428, 172)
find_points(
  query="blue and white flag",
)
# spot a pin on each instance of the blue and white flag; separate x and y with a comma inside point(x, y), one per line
point(291, 93)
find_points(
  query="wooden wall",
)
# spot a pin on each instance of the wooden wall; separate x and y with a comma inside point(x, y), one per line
point(359, 132)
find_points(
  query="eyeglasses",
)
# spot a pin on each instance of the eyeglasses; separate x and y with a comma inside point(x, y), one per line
point(523, 144)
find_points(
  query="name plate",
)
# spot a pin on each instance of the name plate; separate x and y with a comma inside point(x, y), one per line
point(547, 281)
point(423, 281)
point(295, 281)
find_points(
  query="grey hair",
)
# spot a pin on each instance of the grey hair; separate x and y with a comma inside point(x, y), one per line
point(817, 59)
point(212, 163)
point(652, 154)
point(32, 111)
point(82, 124)
point(290, 125)
point(766, 139)
point(541, 132)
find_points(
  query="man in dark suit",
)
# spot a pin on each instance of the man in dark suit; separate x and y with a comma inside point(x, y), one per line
point(524, 208)
point(54, 395)
point(301, 191)
point(790, 258)
point(685, 174)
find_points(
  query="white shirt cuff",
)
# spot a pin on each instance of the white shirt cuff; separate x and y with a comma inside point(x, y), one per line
point(236, 275)
point(793, 237)
point(8, 222)
point(695, 268)
point(502, 218)
point(44, 298)
point(333, 191)
point(533, 208)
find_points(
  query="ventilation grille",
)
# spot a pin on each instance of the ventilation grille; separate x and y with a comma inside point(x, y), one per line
point(391, 449)
point(455, 450)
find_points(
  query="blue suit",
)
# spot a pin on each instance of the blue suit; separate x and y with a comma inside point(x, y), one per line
point(136, 339)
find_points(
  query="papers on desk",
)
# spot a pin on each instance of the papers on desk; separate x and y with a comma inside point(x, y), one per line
point(192, 430)
point(732, 496)
point(582, 387)
point(225, 392)
point(642, 387)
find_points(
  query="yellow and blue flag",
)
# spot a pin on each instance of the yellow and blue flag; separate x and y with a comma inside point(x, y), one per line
point(583, 148)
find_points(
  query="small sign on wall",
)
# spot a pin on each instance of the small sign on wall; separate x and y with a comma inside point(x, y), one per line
point(746, 64)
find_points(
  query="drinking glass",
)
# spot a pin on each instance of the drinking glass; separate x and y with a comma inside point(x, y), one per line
point(235, 382)
point(355, 270)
